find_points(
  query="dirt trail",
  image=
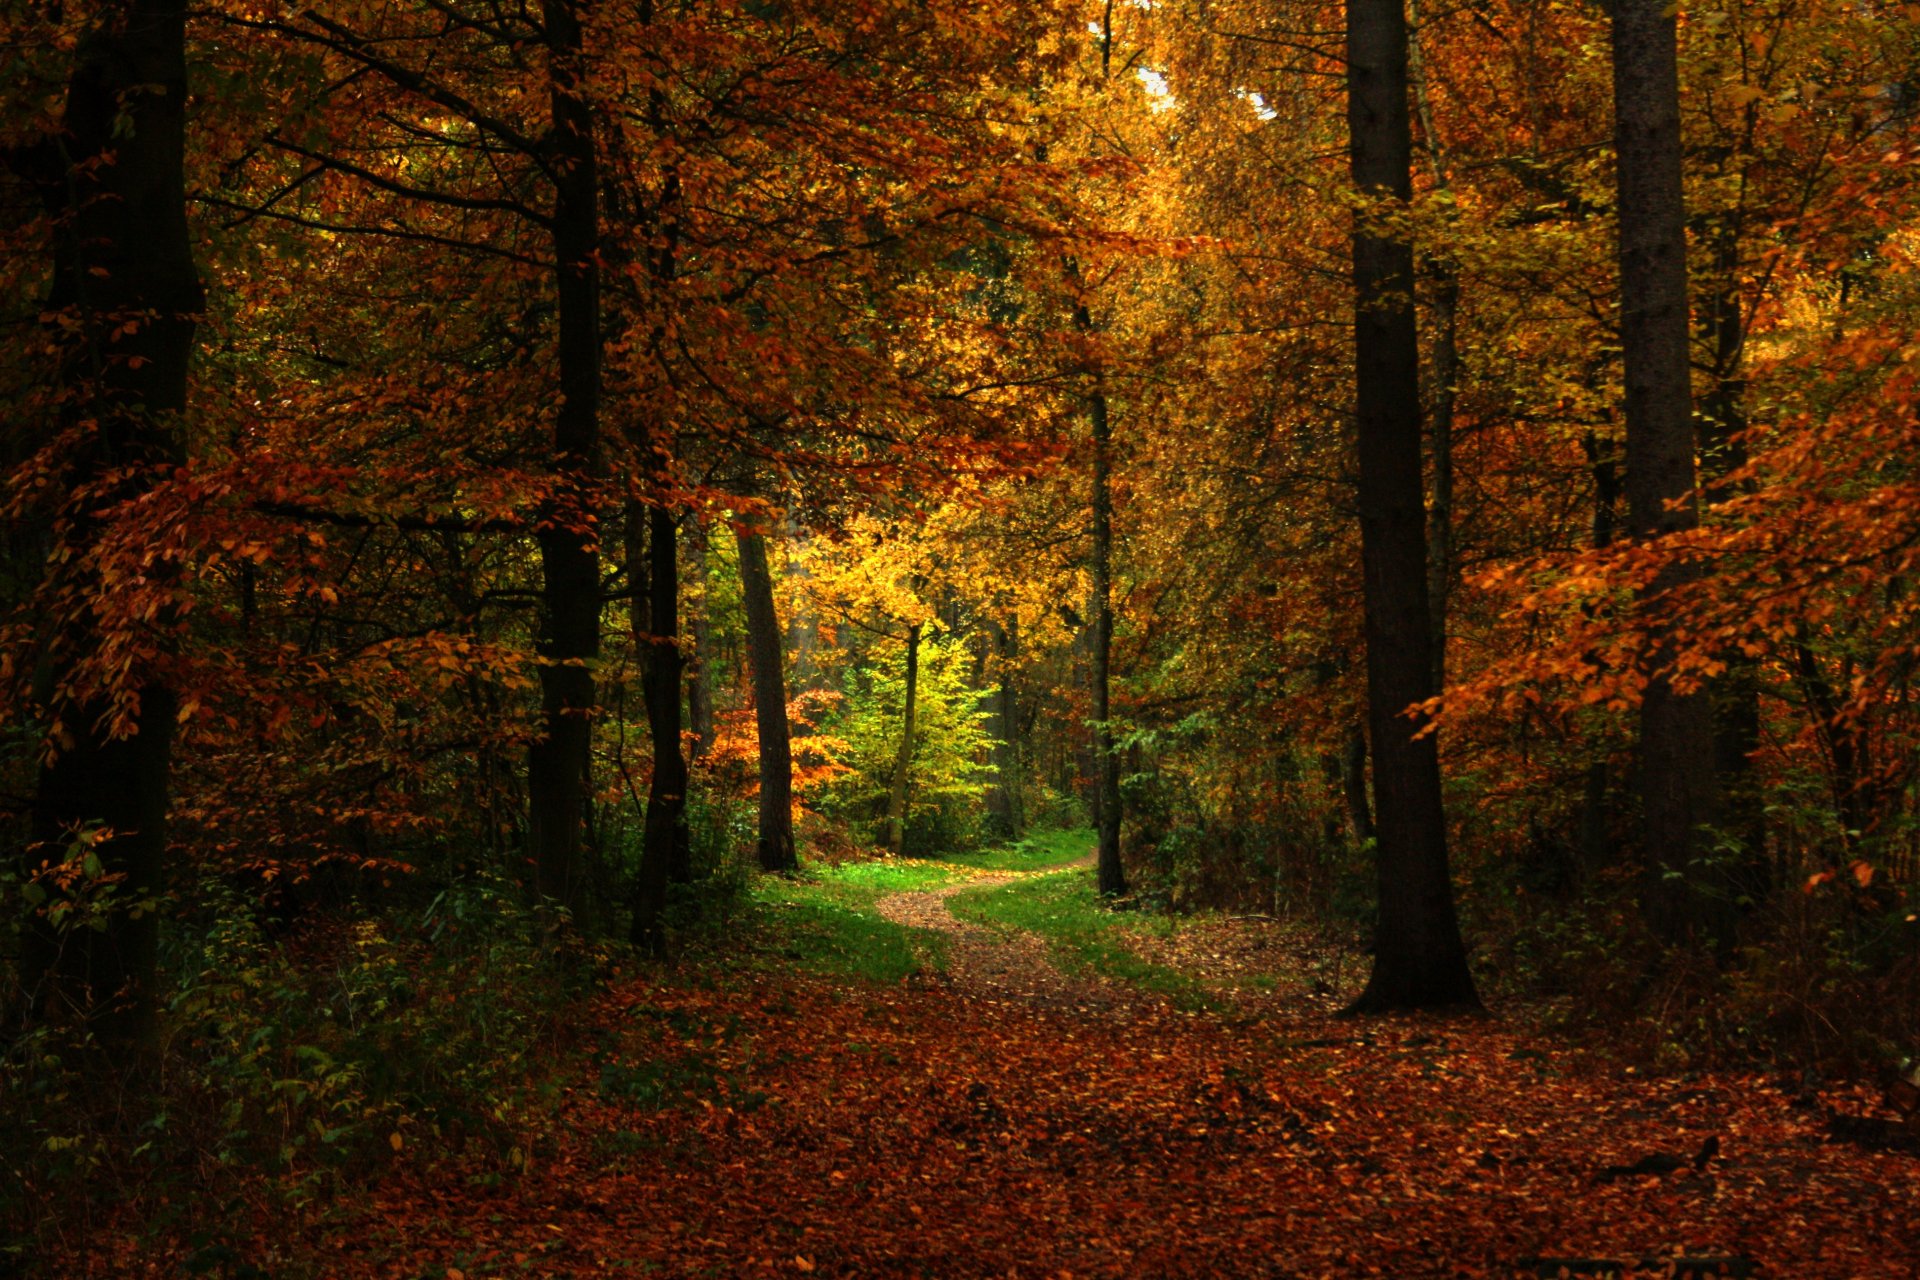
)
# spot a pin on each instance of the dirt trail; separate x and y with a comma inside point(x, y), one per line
point(988, 964)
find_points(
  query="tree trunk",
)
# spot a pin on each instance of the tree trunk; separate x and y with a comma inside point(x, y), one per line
point(1008, 796)
point(569, 642)
point(664, 851)
point(1676, 733)
point(1445, 380)
point(1446, 374)
point(1597, 840)
point(903, 760)
point(769, 706)
point(1111, 876)
point(1353, 782)
point(123, 268)
point(699, 678)
point(1419, 959)
point(1736, 697)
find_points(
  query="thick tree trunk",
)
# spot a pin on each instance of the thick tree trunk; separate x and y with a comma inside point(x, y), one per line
point(569, 642)
point(123, 268)
point(1419, 959)
point(1112, 877)
point(664, 851)
point(699, 678)
point(903, 759)
point(769, 706)
point(1676, 733)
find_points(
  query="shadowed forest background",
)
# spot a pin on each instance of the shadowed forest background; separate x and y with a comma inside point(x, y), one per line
point(709, 638)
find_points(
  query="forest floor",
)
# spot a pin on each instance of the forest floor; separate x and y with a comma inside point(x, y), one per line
point(957, 1069)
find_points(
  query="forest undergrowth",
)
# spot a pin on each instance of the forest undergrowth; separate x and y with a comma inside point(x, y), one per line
point(789, 1103)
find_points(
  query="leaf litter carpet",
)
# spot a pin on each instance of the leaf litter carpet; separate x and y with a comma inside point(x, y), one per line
point(1005, 1120)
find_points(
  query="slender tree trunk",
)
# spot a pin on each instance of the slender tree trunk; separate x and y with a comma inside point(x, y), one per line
point(1446, 374)
point(903, 759)
point(1723, 452)
point(1008, 796)
point(699, 679)
point(1419, 959)
point(1676, 733)
point(803, 627)
point(1112, 877)
point(769, 706)
point(1597, 844)
point(1353, 782)
point(123, 269)
point(664, 852)
point(569, 641)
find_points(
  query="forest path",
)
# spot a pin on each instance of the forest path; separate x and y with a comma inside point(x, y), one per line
point(1054, 1105)
point(995, 964)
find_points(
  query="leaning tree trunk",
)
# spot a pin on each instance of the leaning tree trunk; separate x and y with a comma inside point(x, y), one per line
point(1419, 959)
point(123, 271)
point(769, 706)
point(664, 851)
point(1677, 784)
point(903, 759)
point(558, 762)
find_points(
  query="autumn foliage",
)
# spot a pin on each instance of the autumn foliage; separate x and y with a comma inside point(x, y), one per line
point(488, 489)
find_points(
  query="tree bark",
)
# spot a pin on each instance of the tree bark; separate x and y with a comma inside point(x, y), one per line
point(569, 641)
point(123, 268)
point(1677, 782)
point(1723, 452)
point(699, 678)
point(1353, 782)
point(1446, 374)
point(903, 759)
point(769, 706)
point(1008, 796)
point(1419, 959)
point(664, 852)
point(1111, 876)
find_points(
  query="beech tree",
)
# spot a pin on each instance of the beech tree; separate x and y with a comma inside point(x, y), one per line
point(1419, 960)
point(123, 312)
point(1676, 776)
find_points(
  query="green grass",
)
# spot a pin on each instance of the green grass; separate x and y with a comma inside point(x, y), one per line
point(826, 922)
point(1084, 933)
point(1039, 851)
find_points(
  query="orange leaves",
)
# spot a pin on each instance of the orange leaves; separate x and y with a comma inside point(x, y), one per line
point(1861, 872)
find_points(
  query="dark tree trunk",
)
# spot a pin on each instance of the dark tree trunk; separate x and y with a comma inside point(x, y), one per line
point(1419, 959)
point(1009, 791)
point(699, 679)
point(1597, 837)
point(769, 706)
point(569, 642)
point(123, 268)
point(1111, 875)
point(1736, 696)
point(664, 851)
point(1446, 375)
point(903, 759)
point(1353, 782)
point(1676, 732)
